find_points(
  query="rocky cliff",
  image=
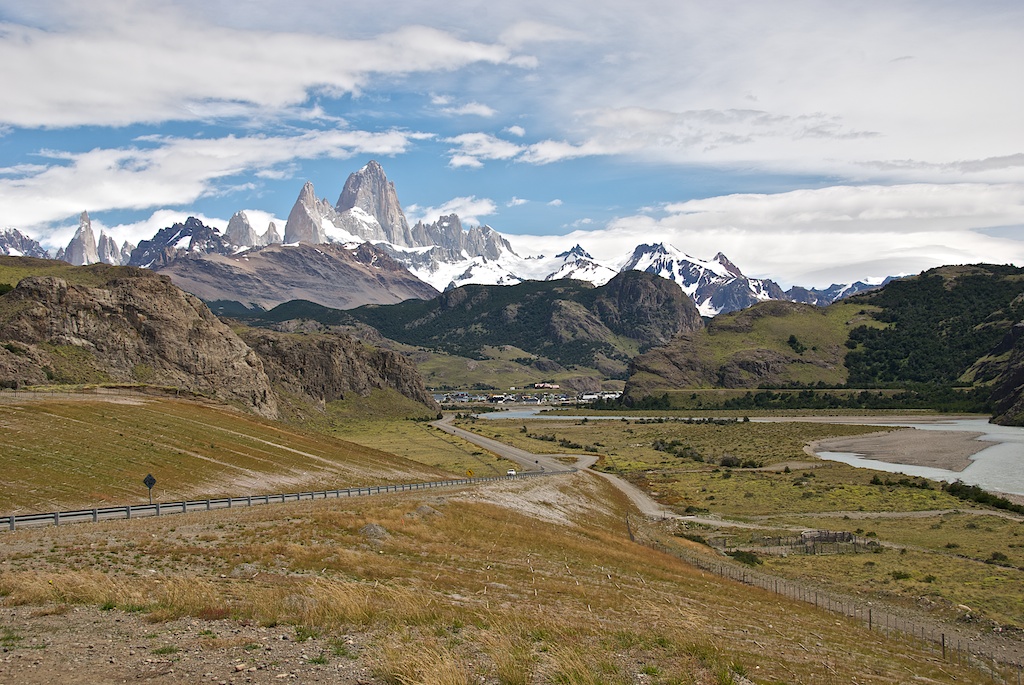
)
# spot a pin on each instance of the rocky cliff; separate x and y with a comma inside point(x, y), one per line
point(1008, 387)
point(130, 326)
point(331, 366)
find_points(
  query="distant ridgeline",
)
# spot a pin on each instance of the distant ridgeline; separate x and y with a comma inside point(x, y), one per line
point(567, 322)
point(951, 338)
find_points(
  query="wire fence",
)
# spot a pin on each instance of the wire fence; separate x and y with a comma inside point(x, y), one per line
point(996, 663)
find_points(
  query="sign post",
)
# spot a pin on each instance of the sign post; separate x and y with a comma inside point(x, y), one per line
point(149, 481)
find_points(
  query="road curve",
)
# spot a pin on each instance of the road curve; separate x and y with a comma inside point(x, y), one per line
point(550, 462)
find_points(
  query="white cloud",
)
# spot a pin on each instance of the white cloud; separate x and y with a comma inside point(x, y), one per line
point(526, 32)
point(517, 131)
point(555, 203)
point(516, 202)
point(469, 209)
point(153, 63)
point(471, 148)
point(470, 108)
point(817, 237)
point(160, 171)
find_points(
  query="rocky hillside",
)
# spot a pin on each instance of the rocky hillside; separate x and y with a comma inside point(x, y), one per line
point(104, 324)
point(556, 324)
point(331, 274)
point(133, 327)
point(330, 366)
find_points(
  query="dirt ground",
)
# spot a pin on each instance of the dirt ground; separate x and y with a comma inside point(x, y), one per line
point(950, 450)
point(85, 645)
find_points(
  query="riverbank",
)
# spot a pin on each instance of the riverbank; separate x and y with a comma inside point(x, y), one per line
point(949, 450)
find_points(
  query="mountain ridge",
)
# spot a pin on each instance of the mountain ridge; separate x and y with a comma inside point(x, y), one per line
point(443, 254)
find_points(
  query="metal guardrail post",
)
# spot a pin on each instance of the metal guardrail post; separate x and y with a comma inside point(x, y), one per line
point(157, 508)
point(95, 515)
point(10, 521)
point(56, 518)
point(128, 512)
point(249, 500)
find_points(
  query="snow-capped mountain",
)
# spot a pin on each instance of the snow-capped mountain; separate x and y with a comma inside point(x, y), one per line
point(716, 286)
point(443, 255)
point(14, 243)
point(189, 239)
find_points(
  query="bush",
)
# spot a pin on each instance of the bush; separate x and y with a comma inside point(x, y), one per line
point(745, 557)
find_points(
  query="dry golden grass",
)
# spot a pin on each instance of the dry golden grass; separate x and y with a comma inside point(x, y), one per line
point(458, 587)
point(194, 451)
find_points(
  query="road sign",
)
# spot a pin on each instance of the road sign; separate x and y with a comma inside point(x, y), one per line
point(149, 481)
point(469, 472)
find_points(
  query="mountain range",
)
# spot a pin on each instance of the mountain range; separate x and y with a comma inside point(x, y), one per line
point(252, 265)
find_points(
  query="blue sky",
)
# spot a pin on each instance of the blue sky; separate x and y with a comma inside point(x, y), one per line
point(810, 141)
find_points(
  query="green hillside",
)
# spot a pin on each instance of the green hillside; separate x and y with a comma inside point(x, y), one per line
point(945, 337)
point(558, 325)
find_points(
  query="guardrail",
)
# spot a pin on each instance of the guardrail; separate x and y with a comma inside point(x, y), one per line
point(56, 518)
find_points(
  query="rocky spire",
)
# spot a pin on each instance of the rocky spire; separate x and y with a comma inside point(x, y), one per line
point(271, 236)
point(369, 191)
point(82, 248)
point(126, 252)
point(305, 221)
point(107, 250)
point(240, 232)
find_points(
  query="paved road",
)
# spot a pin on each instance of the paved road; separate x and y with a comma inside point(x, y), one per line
point(532, 462)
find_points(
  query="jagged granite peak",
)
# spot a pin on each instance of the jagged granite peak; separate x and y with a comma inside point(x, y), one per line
point(371, 193)
point(729, 266)
point(306, 220)
point(191, 238)
point(240, 231)
point(81, 250)
point(108, 251)
point(14, 243)
point(126, 252)
point(577, 252)
point(272, 236)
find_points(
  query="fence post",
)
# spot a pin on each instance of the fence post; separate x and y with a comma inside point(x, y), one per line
point(943, 646)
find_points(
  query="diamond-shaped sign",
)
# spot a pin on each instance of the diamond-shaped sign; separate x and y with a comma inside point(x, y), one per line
point(149, 481)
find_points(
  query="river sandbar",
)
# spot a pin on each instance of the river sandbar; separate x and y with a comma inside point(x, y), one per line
point(949, 450)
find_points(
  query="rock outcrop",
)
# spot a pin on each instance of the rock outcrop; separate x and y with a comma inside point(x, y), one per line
point(135, 327)
point(1008, 388)
point(325, 367)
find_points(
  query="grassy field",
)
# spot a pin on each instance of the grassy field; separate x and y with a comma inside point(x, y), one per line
point(13, 269)
point(459, 587)
point(967, 558)
point(89, 450)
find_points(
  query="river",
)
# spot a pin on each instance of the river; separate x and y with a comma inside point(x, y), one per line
point(998, 468)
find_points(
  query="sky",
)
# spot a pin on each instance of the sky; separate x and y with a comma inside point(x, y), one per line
point(810, 141)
